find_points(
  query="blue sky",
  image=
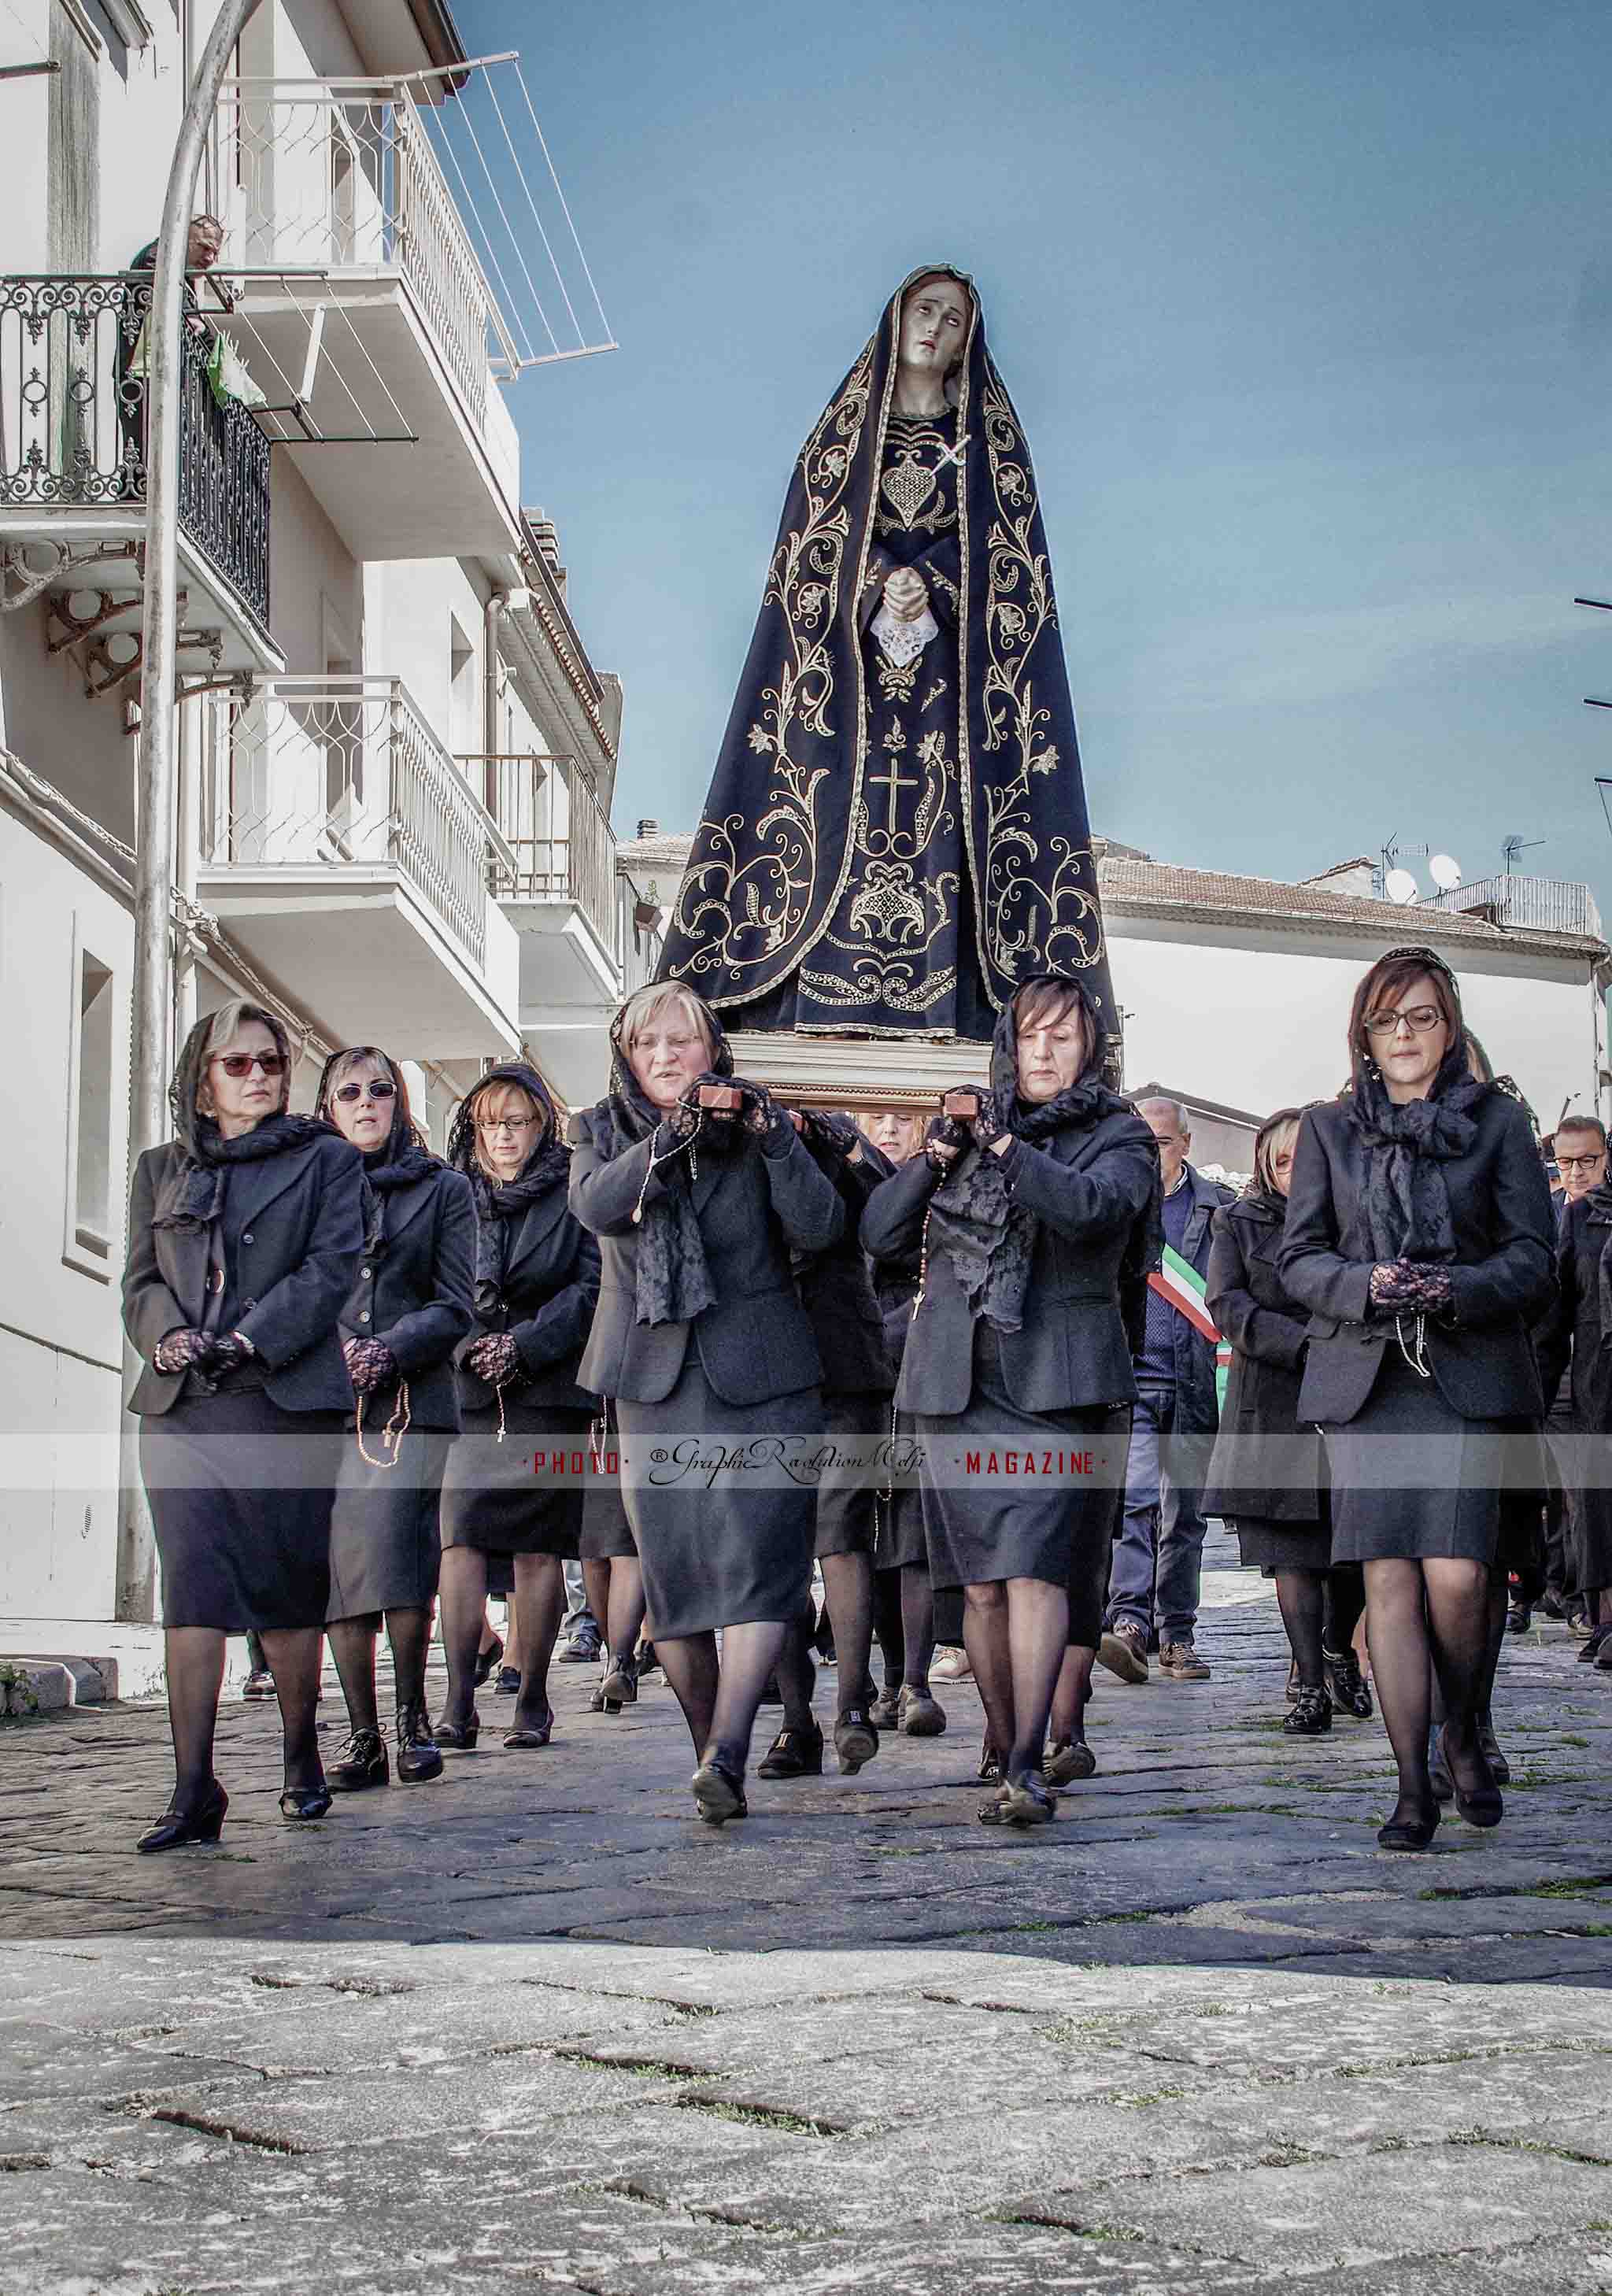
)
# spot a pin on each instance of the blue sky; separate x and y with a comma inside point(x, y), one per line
point(1307, 310)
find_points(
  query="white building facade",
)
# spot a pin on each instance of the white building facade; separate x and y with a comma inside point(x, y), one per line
point(396, 759)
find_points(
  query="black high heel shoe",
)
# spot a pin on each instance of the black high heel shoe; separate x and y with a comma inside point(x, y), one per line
point(620, 1687)
point(176, 1828)
point(530, 1735)
point(459, 1737)
point(300, 1803)
point(1409, 1833)
point(1485, 1807)
point(486, 1660)
point(719, 1791)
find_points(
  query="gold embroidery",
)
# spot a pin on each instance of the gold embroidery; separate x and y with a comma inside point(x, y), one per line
point(898, 681)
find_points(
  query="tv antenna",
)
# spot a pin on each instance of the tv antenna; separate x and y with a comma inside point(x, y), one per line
point(1514, 846)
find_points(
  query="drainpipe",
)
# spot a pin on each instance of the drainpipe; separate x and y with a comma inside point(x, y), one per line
point(497, 606)
point(153, 984)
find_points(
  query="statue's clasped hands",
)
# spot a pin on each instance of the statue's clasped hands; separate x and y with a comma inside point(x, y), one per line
point(906, 595)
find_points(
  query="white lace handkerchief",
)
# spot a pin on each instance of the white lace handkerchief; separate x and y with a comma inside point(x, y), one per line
point(899, 642)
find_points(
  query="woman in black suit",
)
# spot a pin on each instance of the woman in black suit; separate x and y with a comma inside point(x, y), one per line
point(244, 1237)
point(1420, 1236)
point(408, 1310)
point(1267, 1479)
point(515, 1475)
point(1028, 1217)
point(700, 1333)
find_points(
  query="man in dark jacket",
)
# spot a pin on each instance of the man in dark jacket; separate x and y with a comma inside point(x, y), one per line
point(1154, 1580)
point(1570, 1345)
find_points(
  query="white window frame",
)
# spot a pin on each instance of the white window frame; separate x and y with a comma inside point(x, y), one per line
point(75, 1253)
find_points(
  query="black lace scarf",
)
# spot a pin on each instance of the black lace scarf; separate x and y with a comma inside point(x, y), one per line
point(672, 1278)
point(192, 1197)
point(1407, 1143)
point(973, 1218)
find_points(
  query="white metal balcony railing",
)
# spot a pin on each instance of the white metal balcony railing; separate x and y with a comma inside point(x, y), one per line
point(345, 772)
point(557, 834)
point(331, 175)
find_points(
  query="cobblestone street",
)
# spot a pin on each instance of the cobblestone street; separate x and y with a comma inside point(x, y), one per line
point(529, 2025)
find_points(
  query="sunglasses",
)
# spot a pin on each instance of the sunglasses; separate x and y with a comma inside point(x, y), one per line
point(377, 1088)
point(241, 1064)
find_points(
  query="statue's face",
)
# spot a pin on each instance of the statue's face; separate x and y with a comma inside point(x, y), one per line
point(934, 327)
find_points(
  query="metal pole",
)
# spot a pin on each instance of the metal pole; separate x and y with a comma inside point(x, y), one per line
point(153, 984)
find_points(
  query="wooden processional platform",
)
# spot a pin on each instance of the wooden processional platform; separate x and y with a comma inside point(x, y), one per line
point(857, 1072)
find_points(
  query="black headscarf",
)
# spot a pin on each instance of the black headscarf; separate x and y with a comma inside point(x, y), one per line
point(501, 1203)
point(401, 1159)
point(1408, 1142)
point(193, 1195)
point(672, 1281)
point(770, 857)
point(973, 1218)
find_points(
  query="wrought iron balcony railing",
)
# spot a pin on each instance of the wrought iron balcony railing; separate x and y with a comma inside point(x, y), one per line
point(557, 831)
point(345, 772)
point(72, 420)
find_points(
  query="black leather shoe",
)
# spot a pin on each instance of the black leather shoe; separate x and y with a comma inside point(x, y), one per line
point(793, 1754)
point(884, 1708)
point(176, 1828)
point(1028, 1800)
point(362, 1762)
point(1351, 1692)
point(530, 1735)
point(1589, 1652)
point(1518, 1619)
point(1488, 1746)
point(1408, 1833)
point(719, 1793)
point(297, 1803)
point(621, 1687)
point(1485, 1807)
point(855, 1740)
point(459, 1737)
point(1309, 1716)
point(1070, 1759)
point(419, 1756)
point(486, 1660)
point(508, 1685)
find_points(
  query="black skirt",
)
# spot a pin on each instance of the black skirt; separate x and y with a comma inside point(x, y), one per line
point(384, 1543)
point(241, 1495)
point(1265, 1545)
point(1096, 1527)
point(982, 1531)
point(523, 1496)
point(847, 1502)
point(607, 1535)
point(1454, 1506)
point(726, 1555)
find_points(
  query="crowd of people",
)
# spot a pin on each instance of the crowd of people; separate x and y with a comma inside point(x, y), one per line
point(373, 1376)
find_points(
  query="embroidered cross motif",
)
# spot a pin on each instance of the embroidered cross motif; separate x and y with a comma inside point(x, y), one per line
point(894, 780)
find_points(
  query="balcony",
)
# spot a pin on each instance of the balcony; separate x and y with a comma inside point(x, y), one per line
point(558, 888)
point(73, 482)
point(350, 857)
point(368, 318)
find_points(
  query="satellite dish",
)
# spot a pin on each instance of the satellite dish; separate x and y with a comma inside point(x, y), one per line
point(1445, 872)
point(1400, 886)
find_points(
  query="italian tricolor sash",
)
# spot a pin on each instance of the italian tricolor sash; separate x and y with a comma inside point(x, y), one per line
point(1179, 1283)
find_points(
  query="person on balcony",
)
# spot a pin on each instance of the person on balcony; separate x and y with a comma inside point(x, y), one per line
point(246, 1232)
point(514, 1481)
point(204, 244)
point(409, 1310)
point(700, 1188)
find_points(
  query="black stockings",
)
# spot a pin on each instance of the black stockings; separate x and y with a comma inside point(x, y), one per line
point(1438, 1607)
point(194, 1657)
point(719, 1701)
point(1494, 1644)
point(1015, 1632)
point(1345, 1602)
point(1301, 1595)
point(1072, 1695)
point(538, 1608)
point(353, 1647)
point(847, 1582)
point(797, 1673)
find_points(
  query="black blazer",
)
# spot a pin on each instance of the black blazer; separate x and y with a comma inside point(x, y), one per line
point(837, 1292)
point(417, 1294)
point(1571, 1338)
point(1500, 1206)
point(293, 1232)
point(550, 1290)
point(1087, 1187)
point(754, 1341)
point(1267, 1329)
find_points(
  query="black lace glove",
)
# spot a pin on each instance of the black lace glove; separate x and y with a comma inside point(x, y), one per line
point(181, 1350)
point(371, 1366)
point(1405, 1287)
point(828, 1133)
point(945, 1142)
point(227, 1353)
point(494, 1359)
point(678, 1129)
point(990, 1124)
point(766, 1120)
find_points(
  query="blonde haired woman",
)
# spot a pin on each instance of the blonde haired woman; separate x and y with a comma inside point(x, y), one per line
point(699, 1331)
point(536, 1279)
point(244, 1237)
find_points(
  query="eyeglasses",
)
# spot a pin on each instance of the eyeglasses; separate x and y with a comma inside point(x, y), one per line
point(1582, 1163)
point(377, 1088)
point(1418, 1020)
point(505, 1123)
point(241, 1064)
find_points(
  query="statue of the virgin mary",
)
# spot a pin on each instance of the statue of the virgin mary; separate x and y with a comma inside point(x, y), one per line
point(895, 833)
